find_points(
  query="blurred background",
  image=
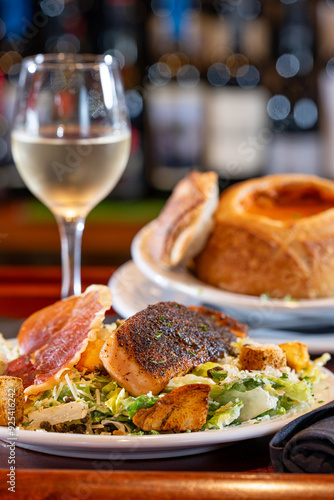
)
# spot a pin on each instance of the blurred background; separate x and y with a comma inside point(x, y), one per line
point(242, 87)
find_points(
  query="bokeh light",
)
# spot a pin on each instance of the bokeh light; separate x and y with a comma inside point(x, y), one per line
point(13, 74)
point(117, 55)
point(236, 61)
point(128, 47)
point(68, 44)
point(218, 74)
point(287, 65)
point(305, 113)
point(248, 76)
point(330, 68)
point(162, 8)
point(52, 8)
point(249, 9)
point(278, 107)
point(8, 59)
point(188, 76)
point(134, 102)
point(174, 61)
point(159, 74)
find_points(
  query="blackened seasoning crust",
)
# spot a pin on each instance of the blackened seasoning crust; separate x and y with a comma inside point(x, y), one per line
point(167, 334)
point(163, 341)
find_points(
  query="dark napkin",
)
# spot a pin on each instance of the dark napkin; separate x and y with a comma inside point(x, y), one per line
point(306, 444)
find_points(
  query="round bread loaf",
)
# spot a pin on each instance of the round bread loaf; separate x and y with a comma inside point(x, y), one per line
point(273, 235)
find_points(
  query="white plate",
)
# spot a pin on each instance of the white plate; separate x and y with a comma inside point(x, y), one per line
point(250, 309)
point(156, 446)
point(132, 292)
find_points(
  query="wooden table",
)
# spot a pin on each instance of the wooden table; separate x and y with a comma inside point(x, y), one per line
point(239, 471)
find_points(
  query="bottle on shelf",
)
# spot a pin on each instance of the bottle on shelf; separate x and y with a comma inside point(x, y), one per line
point(236, 127)
point(206, 107)
point(292, 80)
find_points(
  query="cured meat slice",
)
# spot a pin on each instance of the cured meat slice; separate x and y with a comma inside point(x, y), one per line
point(163, 341)
point(53, 339)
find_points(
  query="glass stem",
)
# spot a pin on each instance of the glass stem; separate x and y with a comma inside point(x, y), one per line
point(70, 230)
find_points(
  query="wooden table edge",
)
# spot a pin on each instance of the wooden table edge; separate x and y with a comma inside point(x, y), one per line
point(124, 485)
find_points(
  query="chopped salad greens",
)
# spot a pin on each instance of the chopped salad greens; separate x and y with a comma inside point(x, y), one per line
point(93, 403)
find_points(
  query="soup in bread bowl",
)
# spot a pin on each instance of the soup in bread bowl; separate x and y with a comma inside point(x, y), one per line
point(273, 235)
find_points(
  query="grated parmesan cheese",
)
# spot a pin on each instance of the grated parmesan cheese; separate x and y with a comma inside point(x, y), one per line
point(71, 386)
point(97, 395)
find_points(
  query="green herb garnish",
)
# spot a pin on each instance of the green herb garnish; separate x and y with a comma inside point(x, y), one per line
point(25, 424)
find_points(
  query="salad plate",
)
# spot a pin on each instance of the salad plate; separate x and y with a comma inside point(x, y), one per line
point(133, 291)
point(133, 447)
point(253, 310)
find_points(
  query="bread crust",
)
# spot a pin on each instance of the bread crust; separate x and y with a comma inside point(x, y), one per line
point(254, 254)
point(185, 222)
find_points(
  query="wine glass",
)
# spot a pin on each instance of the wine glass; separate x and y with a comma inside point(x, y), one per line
point(70, 141)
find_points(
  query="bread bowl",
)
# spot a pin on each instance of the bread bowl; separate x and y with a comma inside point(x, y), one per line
point(273, 235)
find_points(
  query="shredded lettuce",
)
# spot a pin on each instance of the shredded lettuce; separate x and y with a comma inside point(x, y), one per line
point(139, 403)
point(295, 391)
point(225, 415)
point(236, 397)
point(312, 372)
point(115, 400)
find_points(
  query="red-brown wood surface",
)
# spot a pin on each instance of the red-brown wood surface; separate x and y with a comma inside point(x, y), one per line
point(68, 485)
point(25, 289)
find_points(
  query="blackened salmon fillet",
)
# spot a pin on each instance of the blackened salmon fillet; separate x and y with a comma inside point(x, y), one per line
point(163, 341)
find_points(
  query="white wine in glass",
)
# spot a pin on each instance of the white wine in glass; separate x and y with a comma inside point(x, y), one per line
point(70, 141)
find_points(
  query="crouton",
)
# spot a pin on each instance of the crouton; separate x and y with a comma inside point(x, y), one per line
point(259, 356)
point(90, 360)
point(11, 401)
point(185, 408)
point(297, 356)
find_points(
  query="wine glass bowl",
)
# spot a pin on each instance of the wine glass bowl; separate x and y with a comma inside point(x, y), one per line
point(70, 141)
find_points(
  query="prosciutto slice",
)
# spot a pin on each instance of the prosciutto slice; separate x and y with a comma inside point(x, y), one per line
point(53, 339)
